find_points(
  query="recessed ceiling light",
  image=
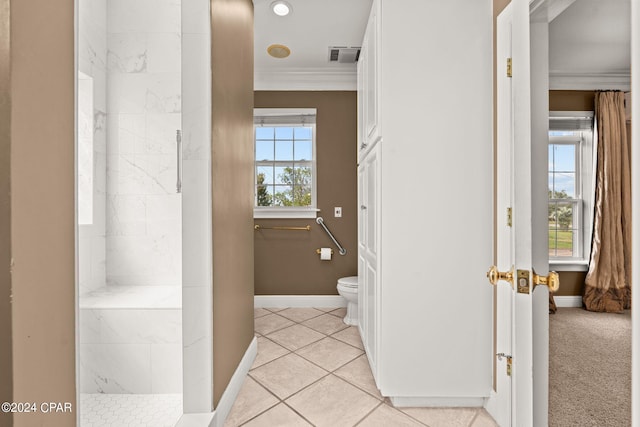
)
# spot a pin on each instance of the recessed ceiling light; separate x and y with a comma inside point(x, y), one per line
point(279, 51)
point(281, 8)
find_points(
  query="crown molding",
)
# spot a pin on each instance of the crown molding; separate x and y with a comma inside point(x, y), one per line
point(308, 79)
point(590, 81)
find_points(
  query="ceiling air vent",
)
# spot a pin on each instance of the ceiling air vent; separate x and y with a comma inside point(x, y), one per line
point(344, 55)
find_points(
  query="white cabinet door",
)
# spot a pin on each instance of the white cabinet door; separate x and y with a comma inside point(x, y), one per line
point(368, 228)
point(371, 74)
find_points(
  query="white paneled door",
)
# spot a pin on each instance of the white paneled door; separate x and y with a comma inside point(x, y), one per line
point(521, 317)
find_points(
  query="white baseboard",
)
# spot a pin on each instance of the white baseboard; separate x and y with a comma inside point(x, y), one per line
point(283, 301)
point(231, 393)
point(437, 402)
point(571, 301)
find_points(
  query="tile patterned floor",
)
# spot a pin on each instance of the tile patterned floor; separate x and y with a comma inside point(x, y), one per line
point(311, 370)
point(129, 410)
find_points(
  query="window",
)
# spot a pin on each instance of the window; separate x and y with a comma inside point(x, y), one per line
point(285, 172)
point(570, 176)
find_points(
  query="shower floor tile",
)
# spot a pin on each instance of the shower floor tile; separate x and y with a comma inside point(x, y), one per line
point(117, 410)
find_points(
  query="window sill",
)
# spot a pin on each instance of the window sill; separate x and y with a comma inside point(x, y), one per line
point(568, 265)
point(284, 213)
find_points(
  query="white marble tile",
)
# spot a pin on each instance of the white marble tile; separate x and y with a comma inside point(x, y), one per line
point(140, 326)
point(164, 52)
point(166, 368)
point(165, 16)
point(127, 297)
point(129, 16)
point(160, 136)
point(84, 260)
point(127, 53)
point(126, 215)
point(163, 93)
point(164, 219)
point(98, 262)
point(115, 368)
point(89, 326)
point(196, 218)
point(100, 175)
point(127, 133)
point(127, 93)
point(196, 326)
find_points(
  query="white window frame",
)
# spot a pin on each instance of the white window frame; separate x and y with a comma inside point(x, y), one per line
point(584, 191)
point(278, 116)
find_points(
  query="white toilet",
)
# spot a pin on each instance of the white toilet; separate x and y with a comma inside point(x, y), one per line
point(348, 288)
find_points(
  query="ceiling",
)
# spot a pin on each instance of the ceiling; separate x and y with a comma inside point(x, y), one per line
point(308, 31)
point(589, 44)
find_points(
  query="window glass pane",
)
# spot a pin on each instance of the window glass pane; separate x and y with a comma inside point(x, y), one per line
point(302, 133)
point(564, 216)
point(564, 158)
point(303, 150)
point(284, 133)
point(264, 150)
point(284, 174)
point(264, 175)
point(561, 243)
point(264, 195)
point(302, 186)
point(284, 150)
point(264, 133)
point(283, 195)
point(564, 185)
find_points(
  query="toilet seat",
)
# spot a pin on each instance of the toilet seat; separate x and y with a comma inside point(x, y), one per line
point(348, 282)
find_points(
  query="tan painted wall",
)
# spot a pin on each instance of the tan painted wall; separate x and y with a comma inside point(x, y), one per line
point(42, 206)
point(286, 262)
point(6, 364)
point(232, 185)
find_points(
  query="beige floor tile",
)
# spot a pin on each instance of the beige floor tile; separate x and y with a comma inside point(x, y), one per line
point(275, 309)
point(484, 420)
point(270, 323)
point(259, 312)
point(442, 417)
point(329, 353)
point(385, 416)
point(332, 402)
point(339, 312)
point(300, 314)
point(327, 324)
point(359, 374)
point(267, 351)
point(280, 416)
point(287, 375)
point(252, 400)
point(295, 337)
point(351, 336)
point(325, 309)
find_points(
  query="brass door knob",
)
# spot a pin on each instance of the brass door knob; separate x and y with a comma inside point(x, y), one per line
point(552, 280)
point(494, 275)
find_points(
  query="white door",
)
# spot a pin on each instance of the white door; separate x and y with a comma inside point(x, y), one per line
point(521, 315)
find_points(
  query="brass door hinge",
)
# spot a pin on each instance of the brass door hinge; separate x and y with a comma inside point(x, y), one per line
point(509, 69)
point(509, 361)
point(509, 217)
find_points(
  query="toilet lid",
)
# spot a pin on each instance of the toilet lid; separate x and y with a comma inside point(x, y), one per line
point(349, 282)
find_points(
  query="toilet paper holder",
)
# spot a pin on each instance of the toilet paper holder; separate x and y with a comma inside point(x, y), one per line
point(318, 251)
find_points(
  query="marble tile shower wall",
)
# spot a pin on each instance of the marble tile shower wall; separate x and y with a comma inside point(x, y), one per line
point(143, 244)
point(92, 61)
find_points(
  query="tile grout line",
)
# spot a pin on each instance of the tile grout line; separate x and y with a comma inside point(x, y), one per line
point(367, 414)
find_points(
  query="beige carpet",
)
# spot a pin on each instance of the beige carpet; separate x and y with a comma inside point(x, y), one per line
point(589, 368)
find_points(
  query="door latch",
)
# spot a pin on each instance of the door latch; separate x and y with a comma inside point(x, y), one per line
point(509, 361)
